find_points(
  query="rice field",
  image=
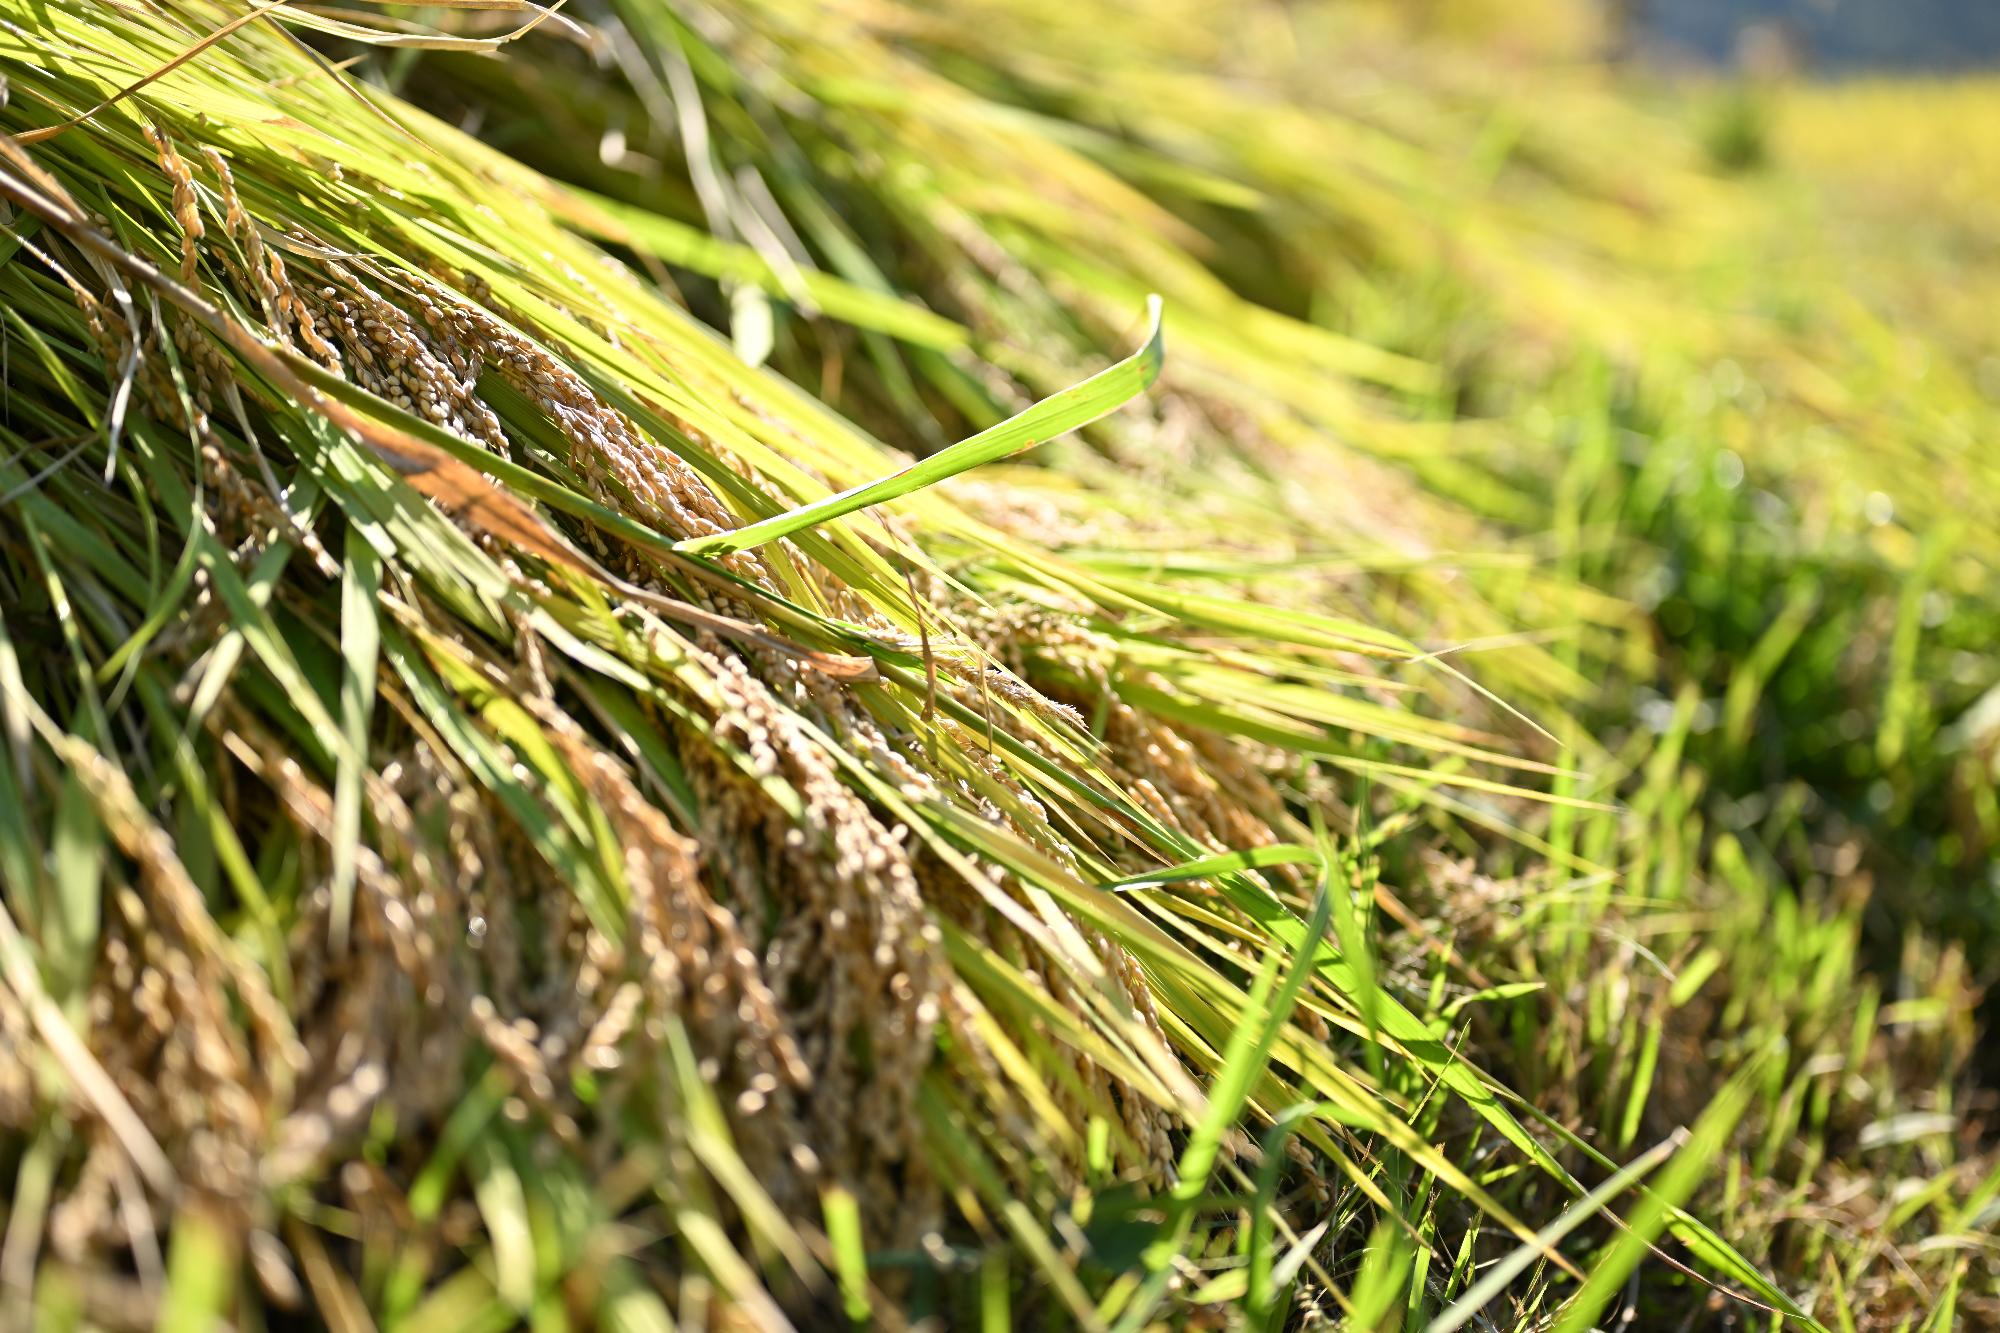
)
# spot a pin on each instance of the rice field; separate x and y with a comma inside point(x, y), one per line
point(738, 664)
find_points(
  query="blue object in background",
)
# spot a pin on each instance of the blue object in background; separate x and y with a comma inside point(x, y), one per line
point(1828, 35)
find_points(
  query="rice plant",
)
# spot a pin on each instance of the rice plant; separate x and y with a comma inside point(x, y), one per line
point(983, 664)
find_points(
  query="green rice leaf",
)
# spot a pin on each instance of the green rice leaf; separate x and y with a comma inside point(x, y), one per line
point(1058, 414)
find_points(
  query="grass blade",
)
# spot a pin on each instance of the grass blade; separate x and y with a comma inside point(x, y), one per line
point(1078, 405)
